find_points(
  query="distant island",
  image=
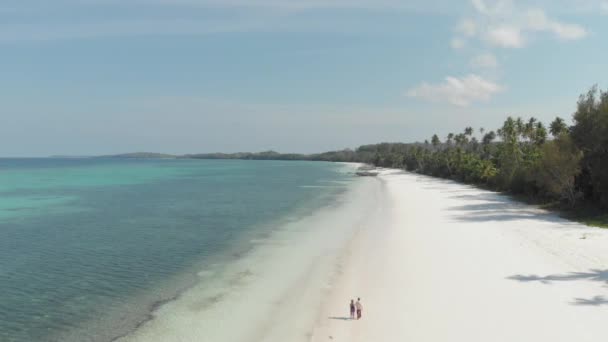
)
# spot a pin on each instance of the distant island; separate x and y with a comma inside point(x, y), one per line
point(346, 155)
point(140, 155)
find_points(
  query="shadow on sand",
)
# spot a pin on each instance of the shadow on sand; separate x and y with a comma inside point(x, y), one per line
point(485, 206)
point(492, 207)
point(341, 318)
point(595, 301)
point(592, 275)
point(481, 206)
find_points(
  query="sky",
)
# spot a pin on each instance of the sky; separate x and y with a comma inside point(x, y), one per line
point(90, 77)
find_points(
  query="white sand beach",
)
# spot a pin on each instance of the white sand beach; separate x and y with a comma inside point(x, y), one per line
point(455, 263)
point(432, 260)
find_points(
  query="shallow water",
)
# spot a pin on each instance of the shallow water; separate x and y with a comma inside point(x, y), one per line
point(88, 246)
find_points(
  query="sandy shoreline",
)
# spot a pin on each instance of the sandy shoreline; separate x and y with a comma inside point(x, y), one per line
point(273, 292)
point(455, 263)
point(432, 260)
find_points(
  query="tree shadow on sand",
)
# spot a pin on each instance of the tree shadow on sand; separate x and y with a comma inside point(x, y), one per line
point(595, 301)
point(490, 207)
point(592, 275)
point(491, 197)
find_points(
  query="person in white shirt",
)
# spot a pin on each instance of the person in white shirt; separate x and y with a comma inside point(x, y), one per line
point(359, 308)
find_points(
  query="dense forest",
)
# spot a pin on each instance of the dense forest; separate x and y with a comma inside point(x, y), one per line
point(554, 163)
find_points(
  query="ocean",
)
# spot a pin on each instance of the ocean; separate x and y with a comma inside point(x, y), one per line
point(91, 248)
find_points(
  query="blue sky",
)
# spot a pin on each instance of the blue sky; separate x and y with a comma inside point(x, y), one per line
point(88, 77)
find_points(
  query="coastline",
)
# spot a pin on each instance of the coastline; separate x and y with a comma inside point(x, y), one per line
point(432, 260)
point(250, 233)
point(291, 268)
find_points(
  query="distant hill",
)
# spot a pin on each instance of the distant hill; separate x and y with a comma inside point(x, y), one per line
point(344, 155)
point(363, 154)
point(266, 155)
point(68, 157)
point(141, 155)
point(347, 155)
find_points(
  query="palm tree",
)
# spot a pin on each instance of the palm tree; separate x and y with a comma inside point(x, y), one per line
point(540, 134)
point(450, 137)
point(528, 129)
point(488, 138)
point(557, 127)
point(520, 128)
point(435, 140)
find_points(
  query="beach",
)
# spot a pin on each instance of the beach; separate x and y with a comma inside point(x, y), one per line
point(197, 251)
point(304, 171)
point(94, 250)
point(431, 260)
point(276, 289)
point(455, 263)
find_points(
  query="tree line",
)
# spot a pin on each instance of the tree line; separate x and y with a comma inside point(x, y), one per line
point(524, 156)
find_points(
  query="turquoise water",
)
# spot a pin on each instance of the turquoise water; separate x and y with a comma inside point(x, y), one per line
point(81, 238)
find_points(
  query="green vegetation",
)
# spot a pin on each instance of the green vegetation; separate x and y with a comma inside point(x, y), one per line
point(587, 212)
point(569, 171)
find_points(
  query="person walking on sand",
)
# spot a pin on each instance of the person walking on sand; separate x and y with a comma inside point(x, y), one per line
point(352, 309)
point(359, 308)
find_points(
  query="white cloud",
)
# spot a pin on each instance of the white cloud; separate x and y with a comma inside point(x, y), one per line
point(484, 61)
point(569, 31)
point(493, 7)
point(505, 36)
point(480, 6)
point(537, 20)
point(500, 23)
point(457, 43)
point(467, 27)
point(457, 91)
